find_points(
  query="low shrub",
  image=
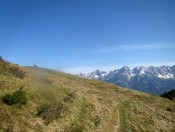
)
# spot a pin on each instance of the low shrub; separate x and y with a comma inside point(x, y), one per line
point(52, 111)
point(18, 97)
point(8, 99)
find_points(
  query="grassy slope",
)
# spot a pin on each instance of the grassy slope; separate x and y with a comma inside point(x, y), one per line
point(77, 104)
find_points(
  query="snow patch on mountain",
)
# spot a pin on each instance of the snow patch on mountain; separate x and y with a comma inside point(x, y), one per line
point(161, 72)
point(166, 76)
point(148, 79)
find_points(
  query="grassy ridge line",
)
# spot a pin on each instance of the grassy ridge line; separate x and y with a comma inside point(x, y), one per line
point(90, 105)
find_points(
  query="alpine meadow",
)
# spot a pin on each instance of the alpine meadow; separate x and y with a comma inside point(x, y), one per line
point(87, 65)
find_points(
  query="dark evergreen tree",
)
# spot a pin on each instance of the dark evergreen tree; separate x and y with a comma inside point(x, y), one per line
point(169, 95)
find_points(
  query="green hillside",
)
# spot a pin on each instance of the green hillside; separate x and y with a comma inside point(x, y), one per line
point(59, 102)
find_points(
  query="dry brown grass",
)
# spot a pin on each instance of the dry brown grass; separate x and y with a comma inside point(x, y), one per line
point(90, 105)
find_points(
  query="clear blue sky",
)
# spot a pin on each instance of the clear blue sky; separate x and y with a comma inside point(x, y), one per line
point(83, 35)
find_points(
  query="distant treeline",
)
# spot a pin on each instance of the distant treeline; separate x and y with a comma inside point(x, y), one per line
point(169, 95)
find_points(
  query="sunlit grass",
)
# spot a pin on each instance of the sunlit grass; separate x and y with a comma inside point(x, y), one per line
point(63, 102)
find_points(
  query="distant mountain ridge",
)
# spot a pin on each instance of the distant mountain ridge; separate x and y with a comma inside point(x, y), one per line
point(58, 101)
point(154, 80)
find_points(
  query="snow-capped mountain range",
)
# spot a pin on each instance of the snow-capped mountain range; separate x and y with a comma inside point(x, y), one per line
point(154, 80)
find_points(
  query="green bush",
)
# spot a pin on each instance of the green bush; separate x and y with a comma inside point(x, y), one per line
point(18, 97)
point(8, 99)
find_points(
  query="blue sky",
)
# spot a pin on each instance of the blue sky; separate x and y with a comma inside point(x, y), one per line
point(83, 35)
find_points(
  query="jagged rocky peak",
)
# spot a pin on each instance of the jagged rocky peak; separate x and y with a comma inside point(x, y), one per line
point(142, 68)
point(139, 70)
point(152, 68)
point(98, 72)
point(151, 79)
point(173, 68)
point(125, 69)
